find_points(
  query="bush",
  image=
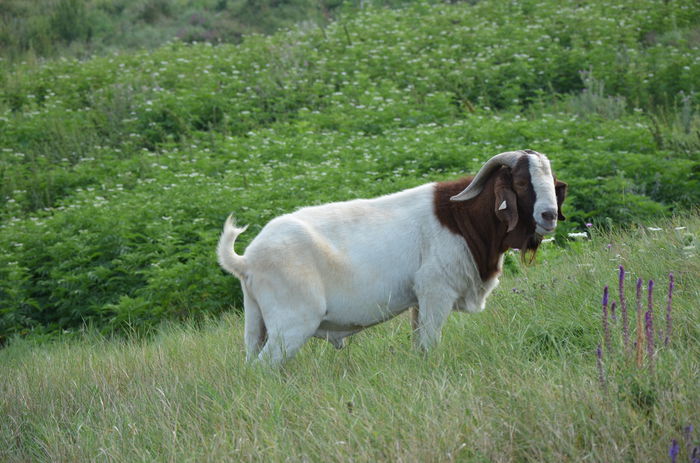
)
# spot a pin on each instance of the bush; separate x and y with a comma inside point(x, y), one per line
point(117, 172)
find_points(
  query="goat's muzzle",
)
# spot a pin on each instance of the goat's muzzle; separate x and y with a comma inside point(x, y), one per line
point(547, 222)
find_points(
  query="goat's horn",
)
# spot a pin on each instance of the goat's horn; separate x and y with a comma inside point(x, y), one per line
point(509, 158)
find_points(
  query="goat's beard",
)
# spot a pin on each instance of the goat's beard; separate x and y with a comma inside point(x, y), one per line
point(528, 250)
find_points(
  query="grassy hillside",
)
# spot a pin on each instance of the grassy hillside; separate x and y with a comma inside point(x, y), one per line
point(117, 172)
point(83, 28)
point(518, 382)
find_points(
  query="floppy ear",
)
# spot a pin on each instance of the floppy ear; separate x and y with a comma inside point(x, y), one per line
point(506, 202)
point(560, 191)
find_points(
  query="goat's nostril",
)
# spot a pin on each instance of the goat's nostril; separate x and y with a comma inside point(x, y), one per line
point(549, 216)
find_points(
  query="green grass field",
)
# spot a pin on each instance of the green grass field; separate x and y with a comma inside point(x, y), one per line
point(121, 338)
point(518, 382)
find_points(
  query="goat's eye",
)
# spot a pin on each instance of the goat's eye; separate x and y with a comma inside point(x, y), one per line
point(520, 184)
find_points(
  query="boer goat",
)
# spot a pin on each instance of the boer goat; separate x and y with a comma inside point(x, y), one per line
point(331, 270)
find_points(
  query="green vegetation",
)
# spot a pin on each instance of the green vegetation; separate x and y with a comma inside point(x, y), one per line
point(82, 28)
point(517, 382)
point(116, 173)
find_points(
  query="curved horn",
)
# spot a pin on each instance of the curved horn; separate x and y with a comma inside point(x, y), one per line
point(509, 158)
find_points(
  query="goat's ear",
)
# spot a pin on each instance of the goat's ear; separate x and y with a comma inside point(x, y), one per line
point(560, 191)
point(506, 203)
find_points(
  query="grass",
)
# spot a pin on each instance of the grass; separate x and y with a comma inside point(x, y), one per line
point(517, 382)
point(118, 171)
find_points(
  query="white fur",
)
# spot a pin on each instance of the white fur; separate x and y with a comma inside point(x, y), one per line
point(545, 197)
point(330, 271)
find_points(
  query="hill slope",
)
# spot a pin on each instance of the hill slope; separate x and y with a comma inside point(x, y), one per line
point(83, 28)
point(116, 173)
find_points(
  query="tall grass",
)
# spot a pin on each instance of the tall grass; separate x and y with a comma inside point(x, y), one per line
point(518, 382)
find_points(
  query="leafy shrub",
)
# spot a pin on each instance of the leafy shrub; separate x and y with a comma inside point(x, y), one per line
point(70, 21)
point(118, 171)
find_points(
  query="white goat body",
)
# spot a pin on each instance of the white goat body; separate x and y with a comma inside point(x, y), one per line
point(332, 270)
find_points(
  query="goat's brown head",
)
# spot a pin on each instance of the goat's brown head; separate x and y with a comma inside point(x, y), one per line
point(527, 196)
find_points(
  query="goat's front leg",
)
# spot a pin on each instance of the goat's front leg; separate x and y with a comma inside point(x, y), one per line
point(430, 321)
point(434, 305)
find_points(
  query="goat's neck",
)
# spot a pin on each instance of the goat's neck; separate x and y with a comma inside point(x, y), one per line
point(475, 220)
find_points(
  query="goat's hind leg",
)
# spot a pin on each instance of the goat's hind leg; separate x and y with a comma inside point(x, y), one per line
point(291, 318)
point(255, 330)
point(285, 336)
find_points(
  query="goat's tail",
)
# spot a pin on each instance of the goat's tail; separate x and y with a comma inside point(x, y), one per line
point(228, 259)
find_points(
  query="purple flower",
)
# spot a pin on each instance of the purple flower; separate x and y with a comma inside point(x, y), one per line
point(623, 309)
point(649, 323)
point(639, 295)
point(605, 296)
point(613, 314)
point(589, 225)
point(669, 328)
point(673, 450)
point(640, 327)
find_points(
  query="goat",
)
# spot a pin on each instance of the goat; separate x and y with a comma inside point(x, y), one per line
point(332, 270)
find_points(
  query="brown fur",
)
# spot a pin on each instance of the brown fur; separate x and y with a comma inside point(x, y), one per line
point(489, 232)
